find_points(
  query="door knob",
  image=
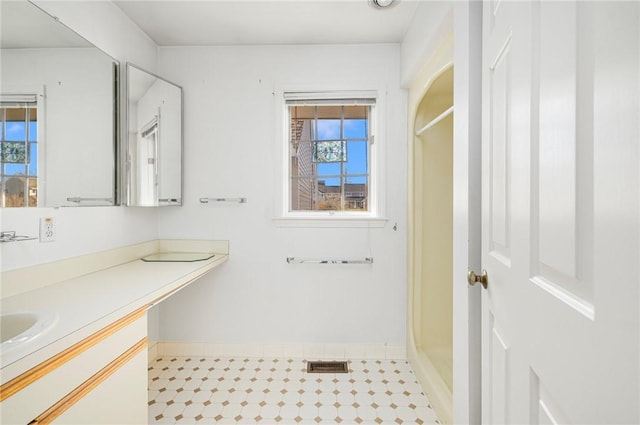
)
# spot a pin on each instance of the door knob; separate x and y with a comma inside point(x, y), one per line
point(473, 278)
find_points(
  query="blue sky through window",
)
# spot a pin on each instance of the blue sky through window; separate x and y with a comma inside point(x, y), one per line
point(356, 150)
point(355, 129)
point(14, 169)
point(15, 131)
point(328, 169)
point(33, 131)
point(33, 160)
point(328, 129)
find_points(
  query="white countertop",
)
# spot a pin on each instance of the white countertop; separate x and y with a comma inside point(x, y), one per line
point(87, 303)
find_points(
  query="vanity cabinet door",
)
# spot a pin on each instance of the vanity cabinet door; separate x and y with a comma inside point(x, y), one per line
point(120, 399)
point(101, 379)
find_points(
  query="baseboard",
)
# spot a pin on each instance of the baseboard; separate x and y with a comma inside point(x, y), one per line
point(294, 351)
point(152, 351)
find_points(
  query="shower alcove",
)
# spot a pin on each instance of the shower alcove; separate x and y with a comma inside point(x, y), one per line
point(431, 302)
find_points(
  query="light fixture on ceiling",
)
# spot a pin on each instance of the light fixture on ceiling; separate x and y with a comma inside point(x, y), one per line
point(382, 4)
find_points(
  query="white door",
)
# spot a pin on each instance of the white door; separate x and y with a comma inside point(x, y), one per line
point(560, 231)
point(467, 18)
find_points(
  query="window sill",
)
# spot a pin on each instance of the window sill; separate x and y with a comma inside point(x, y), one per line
point(328, 221)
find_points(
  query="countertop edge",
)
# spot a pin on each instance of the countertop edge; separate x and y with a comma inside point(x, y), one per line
point(41, 354)
point(25, 279)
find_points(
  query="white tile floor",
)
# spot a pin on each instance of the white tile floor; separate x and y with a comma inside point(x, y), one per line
point(190, 390)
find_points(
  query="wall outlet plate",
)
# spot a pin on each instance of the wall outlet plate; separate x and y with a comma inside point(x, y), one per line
point(47, 229)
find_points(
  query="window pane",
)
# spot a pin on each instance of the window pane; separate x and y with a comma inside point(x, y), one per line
point(302, 112)
point(14, 192)
point(302, 194)
point(19, 157)
point(329, 169)
point(356, 112)
point(356, 194)
point(301, 160)
point(14, 169)
point(355, 129)
point(329, 157)
point(357, 162)
point(33, 192)
point(329, 112)
point(33, 131)
point(361, 180)
point(15, 131)
point(331, 181)
point(329, 194)
point(328, 129)
point(33, 159)
point(301, 129)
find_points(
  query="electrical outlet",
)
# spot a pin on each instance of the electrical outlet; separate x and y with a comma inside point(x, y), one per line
point(47, 229)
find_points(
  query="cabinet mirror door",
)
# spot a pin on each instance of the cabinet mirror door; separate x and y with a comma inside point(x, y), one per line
point(154, 140)
point(58, 113)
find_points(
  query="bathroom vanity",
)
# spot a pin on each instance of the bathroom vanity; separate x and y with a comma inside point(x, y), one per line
point(83, 355)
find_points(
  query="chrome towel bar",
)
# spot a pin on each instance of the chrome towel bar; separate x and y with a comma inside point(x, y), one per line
point(293, 260)
point(212, 200)
point(169, 201)
point(79, 199)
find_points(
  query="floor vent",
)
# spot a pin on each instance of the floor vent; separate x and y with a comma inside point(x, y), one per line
point(327, 367)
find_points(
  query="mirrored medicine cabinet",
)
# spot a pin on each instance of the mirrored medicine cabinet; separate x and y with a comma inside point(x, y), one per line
point(154, 140)
point(58, 113)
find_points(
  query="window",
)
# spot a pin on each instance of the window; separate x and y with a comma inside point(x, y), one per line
point(19, 150)
point(330, 155)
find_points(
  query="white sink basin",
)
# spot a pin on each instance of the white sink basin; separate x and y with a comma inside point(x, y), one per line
point(18, 328)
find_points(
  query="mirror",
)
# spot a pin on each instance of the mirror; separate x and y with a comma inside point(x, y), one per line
point(58, 113)
point(154, 140)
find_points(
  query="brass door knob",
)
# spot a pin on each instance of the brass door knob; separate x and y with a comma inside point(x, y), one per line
point(473, 278)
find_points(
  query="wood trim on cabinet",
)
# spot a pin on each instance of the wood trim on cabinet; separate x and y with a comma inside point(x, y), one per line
point(27, 378)
point(62, 405)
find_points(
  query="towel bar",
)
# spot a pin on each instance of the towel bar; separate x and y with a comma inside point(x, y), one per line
point(212, 200)
point(293, 260)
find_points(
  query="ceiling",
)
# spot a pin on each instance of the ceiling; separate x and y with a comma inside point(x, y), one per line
point(251, 22)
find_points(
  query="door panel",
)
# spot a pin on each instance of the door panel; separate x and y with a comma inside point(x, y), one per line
point(499, 156)
point(499, 383)
point(560, 226)
point(543, 409)
point(556, 185)
point(561, 212)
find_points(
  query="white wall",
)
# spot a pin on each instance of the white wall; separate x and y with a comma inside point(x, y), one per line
point(429, 28)
point(230, 133)
point(84, 230)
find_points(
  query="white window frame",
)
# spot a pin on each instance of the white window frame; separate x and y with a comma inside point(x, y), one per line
point(375, 217)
